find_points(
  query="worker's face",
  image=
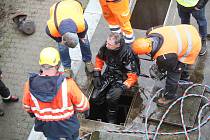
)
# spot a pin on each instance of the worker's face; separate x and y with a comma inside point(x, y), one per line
point(110, 44)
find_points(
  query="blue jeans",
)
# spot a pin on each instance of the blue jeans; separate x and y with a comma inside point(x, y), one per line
point(199, 15)
point(85, 50)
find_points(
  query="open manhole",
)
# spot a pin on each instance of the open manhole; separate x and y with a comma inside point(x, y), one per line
point(98, 112)
point(149, 13)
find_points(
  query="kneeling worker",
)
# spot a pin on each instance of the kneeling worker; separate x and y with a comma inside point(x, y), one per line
point(173, 47)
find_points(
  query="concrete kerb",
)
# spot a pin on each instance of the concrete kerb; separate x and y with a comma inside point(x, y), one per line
point(92, 15)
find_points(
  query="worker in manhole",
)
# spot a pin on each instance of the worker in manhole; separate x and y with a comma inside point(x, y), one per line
point(53, 99)
point(197, 9)
point(67, 26)
point(173, 47)
point(117, 14)
point(119, 60)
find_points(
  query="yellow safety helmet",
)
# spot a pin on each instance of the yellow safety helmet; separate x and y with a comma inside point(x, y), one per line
point(142, 46)
point(49, 56)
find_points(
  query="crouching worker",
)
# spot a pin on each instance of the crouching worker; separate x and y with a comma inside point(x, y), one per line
point(68, 27)
point(119, 60)
point(173, 47)
point(53, 99)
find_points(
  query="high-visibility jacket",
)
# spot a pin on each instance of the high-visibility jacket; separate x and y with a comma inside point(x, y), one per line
point(67, 100)
point(184, 40)
point(67, 9)
point(187, 3)
point(54, 100)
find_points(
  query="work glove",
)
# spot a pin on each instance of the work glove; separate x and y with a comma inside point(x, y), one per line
point(97, 79)
point(68, 73)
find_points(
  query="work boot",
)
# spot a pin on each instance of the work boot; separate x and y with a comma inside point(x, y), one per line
point(68, 73)
point(1, 112)
point(89, 66)
point(203, 48)
point(11, 99)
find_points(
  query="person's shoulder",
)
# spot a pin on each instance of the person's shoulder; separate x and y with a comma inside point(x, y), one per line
point(127, 48)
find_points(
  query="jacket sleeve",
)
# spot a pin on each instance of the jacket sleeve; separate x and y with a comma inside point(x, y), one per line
point(78, 99)
point(201, 4)
point(100, 58)
point(99, 64)
point(26, 98)
point(131, 66)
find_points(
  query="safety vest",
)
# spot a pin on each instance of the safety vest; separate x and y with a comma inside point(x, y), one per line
point(187, 3)
point(67, 100)
point(184, 40)
point(68, 9)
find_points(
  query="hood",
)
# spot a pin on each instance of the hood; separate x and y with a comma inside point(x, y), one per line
point(44, 88)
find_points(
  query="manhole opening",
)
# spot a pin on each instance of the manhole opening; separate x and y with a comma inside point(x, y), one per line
point(149, 13)
point(98, 112)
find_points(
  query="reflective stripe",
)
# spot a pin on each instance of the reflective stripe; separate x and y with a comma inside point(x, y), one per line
point(35, 102)
point(61, 110)
point(26, 106)
point(64, 94)
point(179, 40)
point(189, 48)
point(129, 38)
point(81, 103)
point(58, 117)
point(129, 41)
point(115, 28)
point(85, 105)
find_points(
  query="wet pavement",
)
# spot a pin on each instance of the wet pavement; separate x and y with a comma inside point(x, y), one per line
point(19, 56)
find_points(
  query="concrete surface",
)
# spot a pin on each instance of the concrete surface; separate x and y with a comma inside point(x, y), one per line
point(20, 56)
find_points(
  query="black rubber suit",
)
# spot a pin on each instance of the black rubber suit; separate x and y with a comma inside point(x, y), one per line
point(111, 84)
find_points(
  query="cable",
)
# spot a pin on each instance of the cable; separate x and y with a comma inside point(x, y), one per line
point(185, 132)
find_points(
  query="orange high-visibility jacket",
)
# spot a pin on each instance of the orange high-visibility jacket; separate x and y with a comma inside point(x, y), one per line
point(67, 9)
point(68, 99)
point(184, 40)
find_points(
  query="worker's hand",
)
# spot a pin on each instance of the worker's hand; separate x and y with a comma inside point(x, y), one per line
point(97, 79)
point(68, 73)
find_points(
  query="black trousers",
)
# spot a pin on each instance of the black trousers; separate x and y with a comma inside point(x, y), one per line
point(4, 91)
point(105, 104)
point(175, 69)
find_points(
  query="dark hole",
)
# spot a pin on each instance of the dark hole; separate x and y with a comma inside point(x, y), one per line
point(98, 112)
point(149, 13)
